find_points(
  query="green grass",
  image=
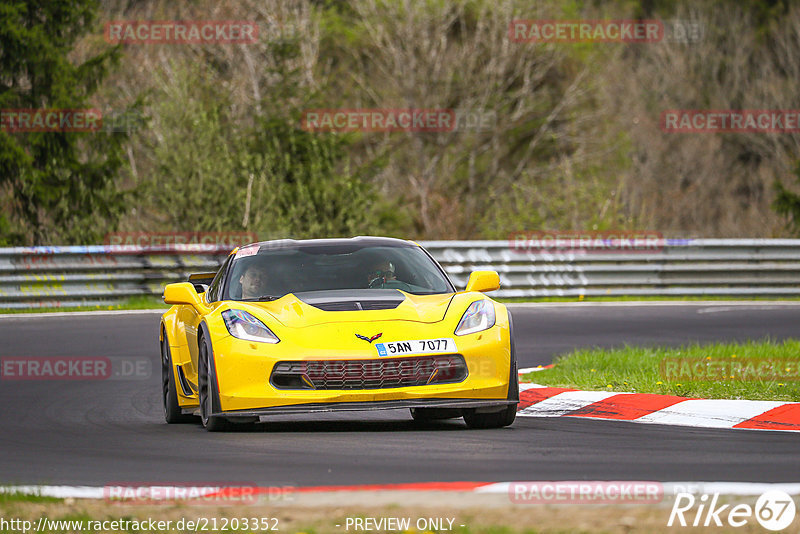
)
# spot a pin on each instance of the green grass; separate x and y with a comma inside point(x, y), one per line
point(144, 302)
point(690, 371)
point(7, 497)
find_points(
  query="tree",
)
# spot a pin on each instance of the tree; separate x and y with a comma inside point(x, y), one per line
point(216, 166)
point(303, 184)
point(787, 203)
point(61, 185)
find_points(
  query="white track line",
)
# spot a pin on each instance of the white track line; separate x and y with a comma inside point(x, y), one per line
point(673, 488)
point(526, 370)
point(709, 413)
point(724, 309)
point(564, 403)
point(670, 489)
point(59, 492)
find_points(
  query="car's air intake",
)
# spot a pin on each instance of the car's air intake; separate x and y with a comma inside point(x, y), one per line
point(369, 374)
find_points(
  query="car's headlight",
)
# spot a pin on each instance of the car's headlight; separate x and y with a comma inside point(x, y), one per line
point(479, 316)
point(243, 325)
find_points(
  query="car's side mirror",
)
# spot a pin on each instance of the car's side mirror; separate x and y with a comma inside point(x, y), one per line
point(200, 288)
point(183, 293)
point(483, 281)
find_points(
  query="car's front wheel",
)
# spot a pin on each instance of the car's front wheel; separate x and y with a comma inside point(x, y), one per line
point(480, 418)
point(499, 419)
point(207, 389)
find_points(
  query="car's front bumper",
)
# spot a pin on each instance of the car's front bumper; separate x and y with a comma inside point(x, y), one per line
point(243, 370)
point(483, 405)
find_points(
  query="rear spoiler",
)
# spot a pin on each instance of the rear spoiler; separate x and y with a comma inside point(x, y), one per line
point(201, 281)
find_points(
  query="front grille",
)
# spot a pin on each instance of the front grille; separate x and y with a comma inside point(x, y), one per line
point(369, 374)
point(357, 305)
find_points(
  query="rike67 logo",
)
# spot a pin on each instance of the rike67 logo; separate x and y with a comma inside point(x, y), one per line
point(774, 510)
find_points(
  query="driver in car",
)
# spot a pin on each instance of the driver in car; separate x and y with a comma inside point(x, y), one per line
point(380, 274)
point(254, 281)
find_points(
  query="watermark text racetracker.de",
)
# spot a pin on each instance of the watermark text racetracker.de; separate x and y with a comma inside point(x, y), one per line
point(571, 31)
point(50, 120)
point(586, 492)
point(24, 368)
point(605, 31)
point(128, 524)
point(397, 120)
point(585, 241)
point(69, 120)
point(196, 493)
point(181, 32)
point(730, 121)
point(177, 242)
point(710, 369)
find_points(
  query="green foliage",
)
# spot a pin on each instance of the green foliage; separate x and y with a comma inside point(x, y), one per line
point(62, 185)
point(336, 25)
point(198, 177)
point(6, 238)
point(213, 173)
point(9, 496)
point(787, 204)
point(576, 143)
point(303, 184)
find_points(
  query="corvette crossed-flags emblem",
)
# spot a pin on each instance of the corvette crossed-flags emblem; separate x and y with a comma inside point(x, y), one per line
point(369, 339)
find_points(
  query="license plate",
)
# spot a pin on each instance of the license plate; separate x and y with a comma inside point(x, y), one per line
point(416, 346)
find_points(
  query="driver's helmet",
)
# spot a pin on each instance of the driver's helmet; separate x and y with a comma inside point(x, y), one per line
point(381, 273)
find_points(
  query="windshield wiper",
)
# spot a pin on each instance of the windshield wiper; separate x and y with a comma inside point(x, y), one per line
point(262, 298)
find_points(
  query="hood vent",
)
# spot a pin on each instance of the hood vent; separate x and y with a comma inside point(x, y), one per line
point(358, 305)
point(353, 299)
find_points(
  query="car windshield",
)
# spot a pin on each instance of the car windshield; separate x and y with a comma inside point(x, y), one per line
point(261, 272)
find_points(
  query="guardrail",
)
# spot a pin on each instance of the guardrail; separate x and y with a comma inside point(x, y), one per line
point(35, 277)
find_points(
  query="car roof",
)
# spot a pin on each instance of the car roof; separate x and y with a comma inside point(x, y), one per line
point(366, 241)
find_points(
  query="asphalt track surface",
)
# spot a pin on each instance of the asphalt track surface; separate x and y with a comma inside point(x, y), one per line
point(112, 431)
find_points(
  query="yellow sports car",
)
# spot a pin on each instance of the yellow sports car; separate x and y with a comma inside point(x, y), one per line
point(322, 325)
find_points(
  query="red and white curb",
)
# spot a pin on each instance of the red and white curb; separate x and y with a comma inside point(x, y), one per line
point(543, 401)
point(668, 489)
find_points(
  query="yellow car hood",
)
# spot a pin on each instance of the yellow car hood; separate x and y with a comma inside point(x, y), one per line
point(320, 307)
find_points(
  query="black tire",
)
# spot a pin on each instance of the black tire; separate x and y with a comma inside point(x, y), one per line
point(513, 385)
point(434, 414)
point(499, 419)
point(172, 409)
point(502, 418)
point(207, 389)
